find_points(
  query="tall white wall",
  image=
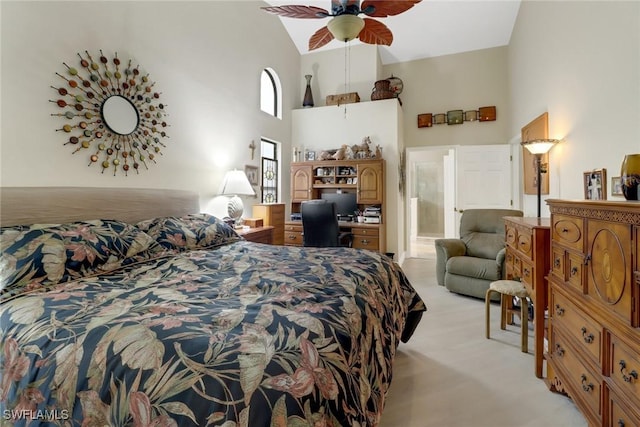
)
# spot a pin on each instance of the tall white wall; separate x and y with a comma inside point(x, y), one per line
point(580, 62)
point(327, 67)
point(205, 57)
point(464, 81)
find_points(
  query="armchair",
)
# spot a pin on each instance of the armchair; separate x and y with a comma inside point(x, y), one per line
point(468, 265)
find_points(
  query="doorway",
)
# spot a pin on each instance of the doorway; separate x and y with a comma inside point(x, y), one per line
point(434, 176)
point(426, 179)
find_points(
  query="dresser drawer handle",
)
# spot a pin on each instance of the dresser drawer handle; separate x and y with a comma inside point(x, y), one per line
point(587, 338)
point(364, 241)
point(620, 423)
point(526, 272)
point(556, 263)
point(574, 271)
point(559, 310)
point(633, 375)
point(559, 350)
point(292, 237)
point(586, 387)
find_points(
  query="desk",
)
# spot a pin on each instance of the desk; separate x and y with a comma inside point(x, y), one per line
point(528, 259)
point(365, 236)
point(258, 234)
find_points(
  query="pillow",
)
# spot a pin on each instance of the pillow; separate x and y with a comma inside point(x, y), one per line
point(35, 255)
point(193, 231)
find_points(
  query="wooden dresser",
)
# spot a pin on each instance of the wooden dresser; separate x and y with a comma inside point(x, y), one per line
point(594, 307)
point(258, 235)
point(273, 215)
point(527, 259)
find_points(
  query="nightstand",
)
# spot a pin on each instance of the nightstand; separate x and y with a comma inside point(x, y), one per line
point(258, 234)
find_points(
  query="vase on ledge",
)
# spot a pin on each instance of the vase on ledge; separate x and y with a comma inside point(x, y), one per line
point(630, 176)
point(307, 102)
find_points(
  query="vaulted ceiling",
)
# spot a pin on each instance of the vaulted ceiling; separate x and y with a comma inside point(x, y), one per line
point(431, 28)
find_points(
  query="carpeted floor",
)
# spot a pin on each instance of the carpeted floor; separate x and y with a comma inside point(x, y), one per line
point(450, 375)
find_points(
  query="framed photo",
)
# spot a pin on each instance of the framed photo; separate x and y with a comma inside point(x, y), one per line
point(616, 186)
point(439, 119)
point(252, 174)
point(595, 184)
point(454, 117)
point(309, 155)
point(470, 116)
point(425, 120)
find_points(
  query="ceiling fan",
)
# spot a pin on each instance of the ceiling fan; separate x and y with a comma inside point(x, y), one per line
point(345, 24)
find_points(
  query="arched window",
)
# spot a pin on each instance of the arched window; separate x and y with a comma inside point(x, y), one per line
point(270, 93)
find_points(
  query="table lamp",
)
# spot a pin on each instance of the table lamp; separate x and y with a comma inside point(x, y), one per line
point(538, 147)
point(236, 184)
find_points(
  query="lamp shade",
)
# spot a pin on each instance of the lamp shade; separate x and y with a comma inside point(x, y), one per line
point(539, 146)
point(345, 27)
point(236, 183)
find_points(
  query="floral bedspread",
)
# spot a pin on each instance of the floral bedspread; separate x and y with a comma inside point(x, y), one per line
point(241, 335)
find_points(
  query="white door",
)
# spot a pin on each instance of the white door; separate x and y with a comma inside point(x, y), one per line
point(483, 178)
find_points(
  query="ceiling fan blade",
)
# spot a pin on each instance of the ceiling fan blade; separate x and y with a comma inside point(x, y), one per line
point(320, 38)
point(375, 32)
point(297, 11)
point(382, 8)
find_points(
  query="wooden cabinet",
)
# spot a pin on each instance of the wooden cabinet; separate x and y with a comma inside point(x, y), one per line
point(365, 177)
point(301, 182)
point(273, 215)
point(594, 334)
point(527, 259)
point(370, 183)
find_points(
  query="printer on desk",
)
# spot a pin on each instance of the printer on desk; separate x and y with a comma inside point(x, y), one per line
point(372, 215)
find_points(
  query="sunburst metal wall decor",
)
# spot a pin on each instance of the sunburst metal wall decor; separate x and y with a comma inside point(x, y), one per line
point(113, 113)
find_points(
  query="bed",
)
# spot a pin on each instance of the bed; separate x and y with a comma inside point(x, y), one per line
point(127, 307)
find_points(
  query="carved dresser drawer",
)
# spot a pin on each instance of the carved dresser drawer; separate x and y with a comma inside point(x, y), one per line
point(618, 414)
point(293, 233)
point(527, 275)
point(594, 318)
point(525, 245)
point(624, 367)
point(568, 231)
point(585, 332)
point(585, 386)
point(509, 262)
point(365, 238)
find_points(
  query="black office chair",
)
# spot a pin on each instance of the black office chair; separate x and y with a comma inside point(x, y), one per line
point(320, 225)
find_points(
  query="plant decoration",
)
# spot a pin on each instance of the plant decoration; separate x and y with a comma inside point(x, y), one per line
point(112, 113)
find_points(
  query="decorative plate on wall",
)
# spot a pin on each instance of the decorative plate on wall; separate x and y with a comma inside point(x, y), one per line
point(113, 115)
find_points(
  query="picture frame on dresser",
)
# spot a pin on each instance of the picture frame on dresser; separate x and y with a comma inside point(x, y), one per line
point(616, 186)
point(595, 184)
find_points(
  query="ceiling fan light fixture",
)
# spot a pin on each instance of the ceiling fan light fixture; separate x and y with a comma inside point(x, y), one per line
point(345, 27)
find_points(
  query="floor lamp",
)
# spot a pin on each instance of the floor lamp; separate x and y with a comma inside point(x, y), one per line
point(538, 147)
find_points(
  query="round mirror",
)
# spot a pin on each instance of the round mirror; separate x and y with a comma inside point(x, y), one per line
point(120, 115)
point(112, 113)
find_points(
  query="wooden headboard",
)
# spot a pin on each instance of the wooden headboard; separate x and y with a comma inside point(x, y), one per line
point(56, 205)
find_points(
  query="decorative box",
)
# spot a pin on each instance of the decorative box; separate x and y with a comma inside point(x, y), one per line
point(343, 98)
point(253, 222)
